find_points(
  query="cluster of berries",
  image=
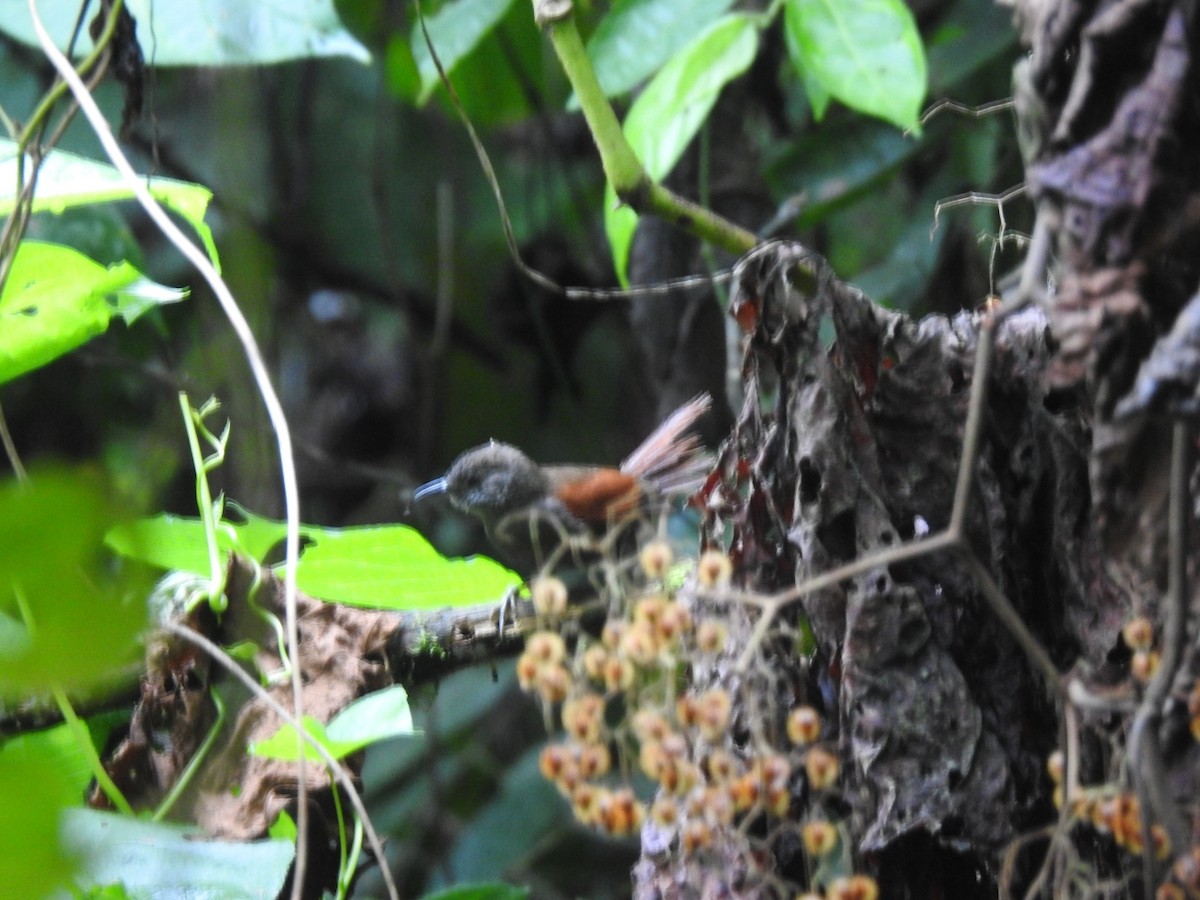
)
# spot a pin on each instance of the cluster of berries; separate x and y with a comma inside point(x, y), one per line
point(621, 695)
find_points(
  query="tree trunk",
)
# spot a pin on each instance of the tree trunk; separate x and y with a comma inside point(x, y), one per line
point(941, 712)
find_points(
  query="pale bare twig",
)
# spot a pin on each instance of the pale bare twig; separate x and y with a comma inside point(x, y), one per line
point(258, 367)
point(335, 768)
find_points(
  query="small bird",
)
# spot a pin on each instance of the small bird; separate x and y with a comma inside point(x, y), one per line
point(528, 508)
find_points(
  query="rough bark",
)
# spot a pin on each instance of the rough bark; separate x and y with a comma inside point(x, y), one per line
point(849, 444)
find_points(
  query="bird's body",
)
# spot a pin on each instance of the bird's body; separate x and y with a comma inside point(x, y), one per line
point(528, 508)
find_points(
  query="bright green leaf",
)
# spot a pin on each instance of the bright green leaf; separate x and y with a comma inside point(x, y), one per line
point(56, 299)
point(638, 36)
point(814, 89)
point(865, 53)
point(400, 68)
point(159, 860)
point(455, 30)
point(179, 542)
point(285, 744)
point(393, 567)
point(620, 222)
point(207, 32)
point(71, 619)
point(66, 180)
point(668, 113)
point(384, 567)
point(58, 747)
point(256, 535)
point(36, 791)
point(283, 828)
point(378, 716)
point(168, 542)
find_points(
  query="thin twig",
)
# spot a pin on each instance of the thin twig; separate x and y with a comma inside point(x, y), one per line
point(954, 106)
point(1146, 762)
point(344, 781)
point(952, 538)
point(10, 449)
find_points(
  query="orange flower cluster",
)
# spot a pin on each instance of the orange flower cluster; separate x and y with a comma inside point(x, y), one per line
point(644, 648)
point(856, 887)
point(1139, 636)
point(1116, 814)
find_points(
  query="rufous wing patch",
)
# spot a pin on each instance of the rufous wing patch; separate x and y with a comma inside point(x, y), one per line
point(604, 495)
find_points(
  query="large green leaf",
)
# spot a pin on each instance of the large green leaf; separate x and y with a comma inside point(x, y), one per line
point(158, 860)
point(382, 567)
point(865, 53)
point(668, 113)
point(57, 746)
point(379, 716)
point(455, 30)
point(36, 791)
point(179, 542)
point(56, 299)
point(169, 542)
point(393, 567)
point(638, 36)
point(67, 180)
point(68, 617)
point(205, 32)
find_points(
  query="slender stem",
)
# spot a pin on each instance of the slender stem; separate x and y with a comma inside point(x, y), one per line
point(625, 172)
point(78, 730)
point(216, 571)
point(262, 378)
point(1146, 762)
point(695, 219)
point(1011, 619)
point(52, 96)
point(193, 766)
point(973, 429)
point(621, 165)
point(228, 663)
point(84, 739)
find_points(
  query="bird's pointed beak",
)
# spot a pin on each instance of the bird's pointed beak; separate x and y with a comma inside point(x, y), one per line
point(437, 486)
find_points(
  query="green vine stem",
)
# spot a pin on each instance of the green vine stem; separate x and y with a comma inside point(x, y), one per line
point(625, 172)
point(99, 48)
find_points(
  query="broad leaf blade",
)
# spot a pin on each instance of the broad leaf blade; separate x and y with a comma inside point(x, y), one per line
point(393, 567)
point(67, 180)
point(56, 299)
point(37, 791)
point(159, 860)
point(668, 113)
point(865, 53)
point(168, 542)
point(638, 36)
point(207, 32)
point(379, 716)
point(455, 30)
point(68, 617)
